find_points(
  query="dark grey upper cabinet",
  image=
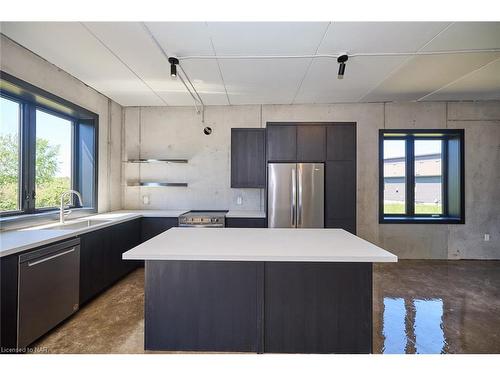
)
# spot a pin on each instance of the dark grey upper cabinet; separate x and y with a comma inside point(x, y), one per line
point(248, 158)
point(311, 143)
point(341, 141)
point(281, 142)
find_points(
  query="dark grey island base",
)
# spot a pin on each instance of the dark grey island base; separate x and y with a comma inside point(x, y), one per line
point(255, 306)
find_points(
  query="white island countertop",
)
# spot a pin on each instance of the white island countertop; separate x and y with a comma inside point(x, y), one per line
point(259, 244)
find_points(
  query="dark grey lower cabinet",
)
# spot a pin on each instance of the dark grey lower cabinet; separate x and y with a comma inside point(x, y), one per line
point(202, 305)
point(246, 222)
point(318, 307)
point(8, 301)
point(101, 263)
point(153, 226)
point(272, 307)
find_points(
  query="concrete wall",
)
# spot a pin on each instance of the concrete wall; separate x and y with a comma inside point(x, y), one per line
point(23, 64)
point(177, 132)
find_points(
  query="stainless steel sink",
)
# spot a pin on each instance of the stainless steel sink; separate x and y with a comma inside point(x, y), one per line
point(78, 224)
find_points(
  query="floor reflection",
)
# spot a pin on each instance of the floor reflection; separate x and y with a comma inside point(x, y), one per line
point(432, 307)
point(394, 326)
point(428, 327)
point(414, 326)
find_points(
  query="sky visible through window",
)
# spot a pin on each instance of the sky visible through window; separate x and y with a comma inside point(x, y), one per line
point(397, 149)
point(58, 132)
point(9, 117)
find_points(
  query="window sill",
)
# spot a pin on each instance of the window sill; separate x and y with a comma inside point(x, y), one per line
point(420, 220)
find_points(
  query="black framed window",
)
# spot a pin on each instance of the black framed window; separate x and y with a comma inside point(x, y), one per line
point(47, 146)
point(421, 176)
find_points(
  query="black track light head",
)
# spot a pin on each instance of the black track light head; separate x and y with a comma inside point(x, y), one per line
point(174, 61)
point(342, 60)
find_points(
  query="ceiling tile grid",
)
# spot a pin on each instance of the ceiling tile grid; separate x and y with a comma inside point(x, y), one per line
point(389, 61)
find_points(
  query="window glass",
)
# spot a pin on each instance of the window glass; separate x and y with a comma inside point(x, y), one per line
point(394, 177)
point(428, 177)
point(53, 159)
point(10, 115)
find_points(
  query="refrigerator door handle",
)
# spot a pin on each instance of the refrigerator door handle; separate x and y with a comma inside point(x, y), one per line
point(294, 197)
point(299, 198)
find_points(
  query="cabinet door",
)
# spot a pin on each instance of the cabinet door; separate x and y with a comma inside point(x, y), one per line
point(311, 143)
point(341, 141)
point(281, 142)
point(340, 197)
point(124, 236)
point(248, 158)
point(318, 307)
point(340, 194)
point(8, 301)
point(95, 263)
point(246, 222)
point(153, 226)
point(203, 305)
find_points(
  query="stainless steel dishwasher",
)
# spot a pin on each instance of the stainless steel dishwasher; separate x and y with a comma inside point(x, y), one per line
point(48, 289)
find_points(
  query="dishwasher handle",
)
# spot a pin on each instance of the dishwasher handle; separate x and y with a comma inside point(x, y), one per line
point(32, 257)
point(43, 260)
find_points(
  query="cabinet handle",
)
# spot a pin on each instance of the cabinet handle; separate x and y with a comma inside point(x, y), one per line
point(294, 196)
point(299, 199)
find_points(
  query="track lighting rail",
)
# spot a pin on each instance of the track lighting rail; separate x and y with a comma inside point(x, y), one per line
point(333, 56)
point(175, 62)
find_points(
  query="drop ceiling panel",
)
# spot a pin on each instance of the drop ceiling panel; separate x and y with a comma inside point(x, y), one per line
point(467, 35)
point(377, 37)
point(182, 38)
point(482, 84)
point(206, 78)
point(71, 47)
point(263, 81)
point(133, 98)
point(425, 74)
point(362, 75)
point(135, 47)
point(266, 38)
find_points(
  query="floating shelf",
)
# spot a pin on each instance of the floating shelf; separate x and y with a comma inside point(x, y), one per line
point(145, 161)
point(157, 184)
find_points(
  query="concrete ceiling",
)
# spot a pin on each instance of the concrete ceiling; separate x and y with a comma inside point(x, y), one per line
point(126, 60)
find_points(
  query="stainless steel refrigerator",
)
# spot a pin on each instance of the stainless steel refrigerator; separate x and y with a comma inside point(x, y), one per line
point(295, 195)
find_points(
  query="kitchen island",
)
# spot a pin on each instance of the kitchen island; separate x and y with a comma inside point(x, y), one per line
point(258, 290)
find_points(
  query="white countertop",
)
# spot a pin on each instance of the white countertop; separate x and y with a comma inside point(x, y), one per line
point(259, 244)
point(246, 214)
point(15, 241)
point(153, 213)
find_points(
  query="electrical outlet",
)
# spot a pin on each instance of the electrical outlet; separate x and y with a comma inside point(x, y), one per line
point(486, 236)
point(239, 200)
point(455, 254)
point(145, 199)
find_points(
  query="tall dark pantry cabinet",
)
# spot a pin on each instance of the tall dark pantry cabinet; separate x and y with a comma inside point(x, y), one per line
point(333, 144)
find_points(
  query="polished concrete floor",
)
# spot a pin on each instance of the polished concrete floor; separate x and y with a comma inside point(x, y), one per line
point(418, 307)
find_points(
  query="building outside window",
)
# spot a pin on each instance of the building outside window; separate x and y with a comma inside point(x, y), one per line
point(421, 176)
